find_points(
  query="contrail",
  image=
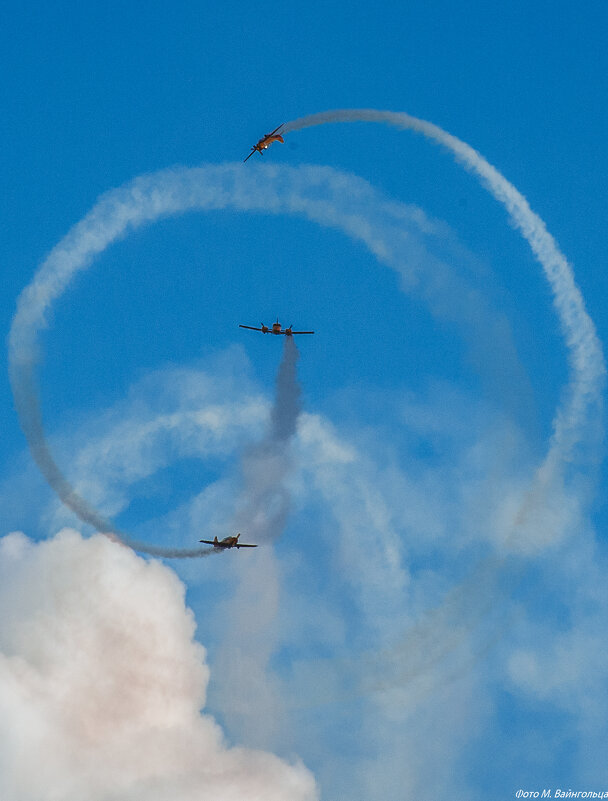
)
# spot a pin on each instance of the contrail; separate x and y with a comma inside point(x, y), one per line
point(585, 355)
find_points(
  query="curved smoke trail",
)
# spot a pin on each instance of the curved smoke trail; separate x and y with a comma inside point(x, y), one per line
point(585, 355)
point(25, 391)
point(265, 501)
point(579, 411)
point(321, 194)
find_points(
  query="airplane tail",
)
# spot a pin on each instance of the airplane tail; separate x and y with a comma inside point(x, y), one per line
point(280, 139)
point(215, 542)
point(237, 536)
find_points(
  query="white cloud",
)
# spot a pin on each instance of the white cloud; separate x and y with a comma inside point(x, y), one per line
point(101, 684)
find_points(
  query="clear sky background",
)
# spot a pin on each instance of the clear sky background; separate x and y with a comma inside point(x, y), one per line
point(371, 641)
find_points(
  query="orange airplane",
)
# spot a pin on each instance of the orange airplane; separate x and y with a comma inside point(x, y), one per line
point(276, 329)
point(266, 141)
point(228, 542)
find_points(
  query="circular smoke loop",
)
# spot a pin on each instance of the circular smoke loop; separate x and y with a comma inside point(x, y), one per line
point(174, 191)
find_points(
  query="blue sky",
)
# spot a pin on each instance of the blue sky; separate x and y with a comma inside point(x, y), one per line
point(425, 411)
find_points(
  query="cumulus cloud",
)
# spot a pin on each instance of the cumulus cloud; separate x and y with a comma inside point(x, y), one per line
point(101, 685)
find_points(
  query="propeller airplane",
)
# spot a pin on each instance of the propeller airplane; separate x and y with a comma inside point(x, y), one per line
point(228, 542)
point(276, 329)
point(266, 141)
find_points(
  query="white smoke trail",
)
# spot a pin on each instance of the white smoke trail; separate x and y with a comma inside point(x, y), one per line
point(585, 352)
point(28, 407)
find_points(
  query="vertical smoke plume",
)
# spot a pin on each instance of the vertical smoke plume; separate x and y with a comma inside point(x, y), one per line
point(286, 407)
point(265, 500)
point(246, 692)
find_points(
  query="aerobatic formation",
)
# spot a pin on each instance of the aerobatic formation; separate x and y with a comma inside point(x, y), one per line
point(154, 196)
point(289, 439)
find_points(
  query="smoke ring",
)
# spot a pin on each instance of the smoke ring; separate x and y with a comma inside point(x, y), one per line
point(174, 191)
point(317, 193)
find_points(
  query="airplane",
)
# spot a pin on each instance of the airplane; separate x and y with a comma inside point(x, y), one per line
point(266, 141)
point(276, 329)
point(228, 542)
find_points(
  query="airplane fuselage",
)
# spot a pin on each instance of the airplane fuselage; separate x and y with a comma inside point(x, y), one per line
point(267, 140)
point(228, 542)
point(276, 329)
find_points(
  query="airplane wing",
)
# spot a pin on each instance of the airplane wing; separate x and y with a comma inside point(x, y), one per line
point(244, 545)
point(208, 542)
point(250, 327)
point(302, 332)
point(250, 155)
point(272, 133)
